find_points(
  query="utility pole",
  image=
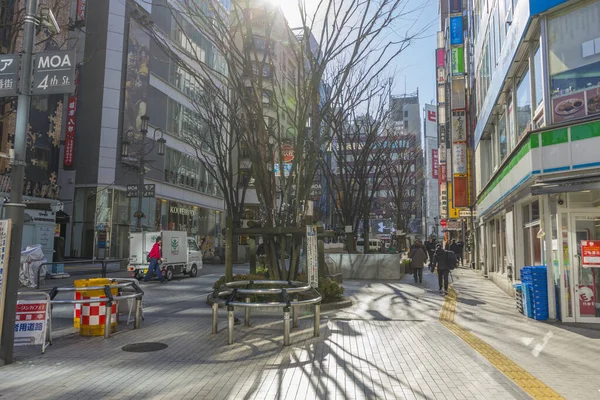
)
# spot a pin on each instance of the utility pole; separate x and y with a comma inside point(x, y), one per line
point(140, 193)
point(15, 209)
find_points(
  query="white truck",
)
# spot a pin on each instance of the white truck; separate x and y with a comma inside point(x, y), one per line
point(181, 253)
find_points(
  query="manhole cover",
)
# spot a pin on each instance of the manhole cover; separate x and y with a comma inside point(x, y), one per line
point(144, 347)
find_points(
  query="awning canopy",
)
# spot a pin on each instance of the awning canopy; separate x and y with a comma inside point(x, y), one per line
point(572, 183)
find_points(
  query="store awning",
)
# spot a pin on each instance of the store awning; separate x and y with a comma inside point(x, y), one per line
point(62, 217)
point(572, 183)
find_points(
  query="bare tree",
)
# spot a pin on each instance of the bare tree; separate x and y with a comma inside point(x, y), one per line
point(270, 91)
point(360, 150)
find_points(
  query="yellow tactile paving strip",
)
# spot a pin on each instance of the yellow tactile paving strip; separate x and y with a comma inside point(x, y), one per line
point(529, 383)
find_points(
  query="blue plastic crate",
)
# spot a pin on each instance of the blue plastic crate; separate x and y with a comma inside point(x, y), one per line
point(527, 302)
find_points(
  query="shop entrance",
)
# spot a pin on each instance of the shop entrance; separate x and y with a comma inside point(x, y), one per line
point(584, 255)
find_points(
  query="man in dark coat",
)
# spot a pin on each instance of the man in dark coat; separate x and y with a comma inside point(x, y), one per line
point(442, 260)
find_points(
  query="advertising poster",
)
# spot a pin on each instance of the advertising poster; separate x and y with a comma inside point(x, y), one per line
point(441, 76)
point(457, 56)
point(587, 300)
point(590, 253)
point(443, 174)
point(458, 94)
point(568, 107)
point(456, 30)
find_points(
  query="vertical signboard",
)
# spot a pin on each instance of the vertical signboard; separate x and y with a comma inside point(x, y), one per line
point(81, 4)
point(456, 30)
point(434, 164)
point(457, 58)
point(456, 7)
point(5, 227)
point(461, 198)
point(441, 58)
point(459, 126)
point(71, 126)
point(312, 260)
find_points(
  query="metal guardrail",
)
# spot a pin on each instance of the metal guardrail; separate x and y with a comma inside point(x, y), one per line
point(103, 263)
point(139, 293)
point(231, 290)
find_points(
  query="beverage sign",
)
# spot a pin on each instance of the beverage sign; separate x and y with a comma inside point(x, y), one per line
point(456, 7)
point(590, 253)
point(30, 322)
point(456, 30)
point(312, 261)
point(9, 75)
point(53, 72)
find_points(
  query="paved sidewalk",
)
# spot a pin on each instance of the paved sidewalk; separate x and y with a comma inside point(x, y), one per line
point(565, 358)
point(389, 345)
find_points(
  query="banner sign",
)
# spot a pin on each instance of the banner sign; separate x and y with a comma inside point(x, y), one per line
point(456, 31)
point(434, 164)
point(441, 76)
point(5, 228)
point(457, 58)
point(81, 9)
point(590, 253)
point(443, 175)
point(71, 126)
point(312, 261)
point(442, 153)
point(459, 126)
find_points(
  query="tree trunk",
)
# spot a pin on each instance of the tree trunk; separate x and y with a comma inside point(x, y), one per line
point(229, 249)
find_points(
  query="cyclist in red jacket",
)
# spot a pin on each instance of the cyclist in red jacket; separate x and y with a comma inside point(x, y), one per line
point(155, 257)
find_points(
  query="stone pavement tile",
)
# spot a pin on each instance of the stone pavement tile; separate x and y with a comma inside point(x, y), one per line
point(394, 350)
point(563, 357)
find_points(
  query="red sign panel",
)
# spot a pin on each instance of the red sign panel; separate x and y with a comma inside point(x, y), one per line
point(71, 126)
point(590, 253)
point(81, 10)
point(461, 195)
point(431, 116)
point(443, 177)
point(434, 164)
point(443, 223)
point(441, 58)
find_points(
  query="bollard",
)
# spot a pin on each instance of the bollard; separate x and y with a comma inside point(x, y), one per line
point(247, 314)
point(107, 315)
point(138, 313)
point(286, 326)
point(295, 314)
point(230, 323)
point(317, 320)
point(215, 318)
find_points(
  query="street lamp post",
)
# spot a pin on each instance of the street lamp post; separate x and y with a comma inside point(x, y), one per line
point(125, 144)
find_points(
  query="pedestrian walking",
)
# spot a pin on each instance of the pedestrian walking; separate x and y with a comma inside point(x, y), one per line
point(454, 247)
point(461, 250)
point(444, 261)
point(430, 245)
point(418, 257)
point(155, 258)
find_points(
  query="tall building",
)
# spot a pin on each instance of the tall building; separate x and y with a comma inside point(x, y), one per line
point(124, 76)
point(405, 115)
point(536, 139)
point(431, 200)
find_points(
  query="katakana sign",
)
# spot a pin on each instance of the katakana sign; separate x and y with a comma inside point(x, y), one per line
point(53, 72)
point(30, 322)
point(590, 253)
point(9, 75)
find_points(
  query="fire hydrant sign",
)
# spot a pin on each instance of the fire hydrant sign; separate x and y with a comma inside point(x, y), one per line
point(590, 253)
point(312, 261)
point(30, 322)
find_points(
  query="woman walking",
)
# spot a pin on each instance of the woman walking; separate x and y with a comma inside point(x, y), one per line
point(418, 256)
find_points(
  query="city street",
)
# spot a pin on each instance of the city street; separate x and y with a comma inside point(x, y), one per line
point(390, 344)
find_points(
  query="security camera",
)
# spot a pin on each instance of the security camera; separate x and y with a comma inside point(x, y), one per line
point(561, 202)
point(48, 20)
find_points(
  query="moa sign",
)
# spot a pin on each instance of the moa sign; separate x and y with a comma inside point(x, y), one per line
point(53, 73)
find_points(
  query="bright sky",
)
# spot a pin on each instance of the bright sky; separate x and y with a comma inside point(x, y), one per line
point(416, 66)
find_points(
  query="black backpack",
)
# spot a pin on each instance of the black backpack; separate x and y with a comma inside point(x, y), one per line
point(452, 261)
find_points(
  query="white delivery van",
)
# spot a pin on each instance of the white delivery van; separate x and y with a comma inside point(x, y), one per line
point(374, 245)
point(181, 253)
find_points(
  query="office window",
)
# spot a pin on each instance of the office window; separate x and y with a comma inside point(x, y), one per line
point(502, 139)
point(539, 79)
point(523, 104)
